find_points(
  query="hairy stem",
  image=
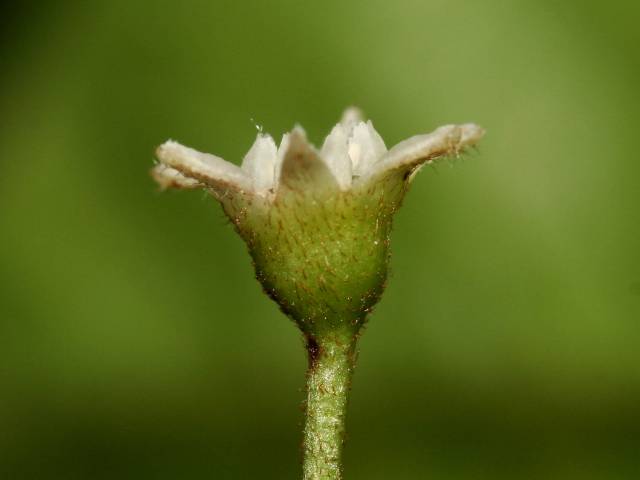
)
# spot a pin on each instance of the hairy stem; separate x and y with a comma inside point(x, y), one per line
point(331, 364)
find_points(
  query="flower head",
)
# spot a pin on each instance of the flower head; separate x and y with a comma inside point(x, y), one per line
point(317, 222)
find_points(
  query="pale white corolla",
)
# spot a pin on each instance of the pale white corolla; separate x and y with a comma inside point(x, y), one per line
point(352, 155)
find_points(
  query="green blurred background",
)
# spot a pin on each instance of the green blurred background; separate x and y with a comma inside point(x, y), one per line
point(135, 342)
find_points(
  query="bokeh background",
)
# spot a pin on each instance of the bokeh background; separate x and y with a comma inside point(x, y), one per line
point(135, 342)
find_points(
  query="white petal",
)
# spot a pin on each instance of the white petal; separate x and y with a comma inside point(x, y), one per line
point(168, 177)
point(260, 163)
point(471, 134)
point(203, 167)
point(351, 117)
point(282, 151)
point(302, 169)
point(365, 147)
point(334, 153)
point(444, 141)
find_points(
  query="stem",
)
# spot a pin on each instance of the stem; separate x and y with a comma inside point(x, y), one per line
point(331, 364)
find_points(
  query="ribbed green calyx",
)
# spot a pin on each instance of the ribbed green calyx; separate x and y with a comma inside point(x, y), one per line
point(321, 254)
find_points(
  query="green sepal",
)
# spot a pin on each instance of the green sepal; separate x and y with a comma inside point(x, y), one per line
point(321, 254)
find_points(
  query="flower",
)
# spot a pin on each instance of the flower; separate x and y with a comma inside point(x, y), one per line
point(317, 222)
point(352, 155)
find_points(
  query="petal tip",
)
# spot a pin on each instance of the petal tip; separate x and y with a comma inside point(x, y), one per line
point(204, 168)
point(167, 177)
point(298, 133)
point(471, 133)
point(352, 116)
